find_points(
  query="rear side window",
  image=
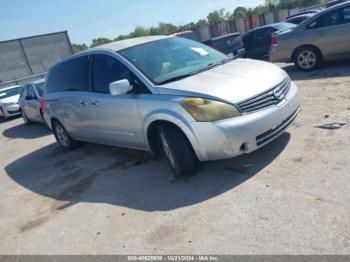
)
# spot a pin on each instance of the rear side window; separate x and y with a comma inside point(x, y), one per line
point(337, 17)
point(72, 75)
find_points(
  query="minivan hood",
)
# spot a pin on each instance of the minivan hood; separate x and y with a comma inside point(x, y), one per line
point(233, 82)
point(11, 99)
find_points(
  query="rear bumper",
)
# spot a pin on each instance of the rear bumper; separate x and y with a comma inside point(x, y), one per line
point(232, 137)
point(278, 54)
point(47, 119)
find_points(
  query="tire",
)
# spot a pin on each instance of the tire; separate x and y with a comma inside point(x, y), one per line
point(25, 118)
point(178, 150)
point(3, 114)
point(62, 136)
point(308, 58)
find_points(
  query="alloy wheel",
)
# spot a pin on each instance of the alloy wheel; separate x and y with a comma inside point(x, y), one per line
point(307, 59)
point(62, 136)
point(167, 150)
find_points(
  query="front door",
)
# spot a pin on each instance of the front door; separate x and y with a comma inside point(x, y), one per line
point(115, 118)
point(32, 104)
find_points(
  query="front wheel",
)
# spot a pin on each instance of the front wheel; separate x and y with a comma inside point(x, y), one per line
point(178, 150)
point(62, 136)
point(308, 58)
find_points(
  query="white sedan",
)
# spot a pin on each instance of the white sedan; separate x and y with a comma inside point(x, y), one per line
point(9, 101)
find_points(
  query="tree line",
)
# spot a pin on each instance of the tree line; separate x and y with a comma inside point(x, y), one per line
point(214, 17)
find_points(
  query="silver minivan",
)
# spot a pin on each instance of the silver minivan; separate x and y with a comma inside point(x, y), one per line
point(169, 94)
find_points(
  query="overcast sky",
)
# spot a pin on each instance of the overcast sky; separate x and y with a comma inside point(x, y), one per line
point(88, 19)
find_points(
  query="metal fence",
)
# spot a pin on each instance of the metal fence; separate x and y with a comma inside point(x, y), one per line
point(25, 59)
point(244, 24)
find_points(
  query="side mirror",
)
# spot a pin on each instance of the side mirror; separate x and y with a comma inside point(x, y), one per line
point(120, 87)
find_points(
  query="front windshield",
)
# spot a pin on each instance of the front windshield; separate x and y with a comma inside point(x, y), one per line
point(40, 87)
point(10, 92)
point(167, 59)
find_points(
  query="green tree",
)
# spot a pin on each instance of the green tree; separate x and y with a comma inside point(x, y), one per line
point(240, 11)
point(261, 9)
point(79, 47)
point(272, 4)
point(288, 4)
point(216, 16)
point(140, 31)
point(100, 41)
point(201, 22)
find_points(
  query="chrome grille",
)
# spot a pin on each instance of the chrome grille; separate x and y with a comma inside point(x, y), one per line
point(271, 97)
point(273, 133)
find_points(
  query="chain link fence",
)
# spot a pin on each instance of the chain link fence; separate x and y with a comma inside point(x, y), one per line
point(26, 59)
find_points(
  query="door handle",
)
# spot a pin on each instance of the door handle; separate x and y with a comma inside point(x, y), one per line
point(83, 103)
point(95, 103)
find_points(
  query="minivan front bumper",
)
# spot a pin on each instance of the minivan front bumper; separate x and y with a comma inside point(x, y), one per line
point(245, 134)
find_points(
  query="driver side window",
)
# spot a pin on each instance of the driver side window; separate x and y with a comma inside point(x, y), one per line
point(107, 69)
point(30, 92)
point(333, 18)
point(24, 92)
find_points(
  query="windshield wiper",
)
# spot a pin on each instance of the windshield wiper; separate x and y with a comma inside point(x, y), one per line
point(208, 67)
point(211, 65)
point(176, 78)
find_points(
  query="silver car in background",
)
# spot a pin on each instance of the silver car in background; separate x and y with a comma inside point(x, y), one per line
point(9, 101)
point(30, 101)
point(172, 95)
point(323, 37)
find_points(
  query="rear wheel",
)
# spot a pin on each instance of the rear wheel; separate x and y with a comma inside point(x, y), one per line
point(62, 136)
point(308, 58)
point(178, 150)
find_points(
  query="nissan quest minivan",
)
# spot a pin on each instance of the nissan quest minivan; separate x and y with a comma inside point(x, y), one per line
point(169, 94)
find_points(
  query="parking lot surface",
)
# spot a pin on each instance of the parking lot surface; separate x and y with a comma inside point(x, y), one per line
point(290, 197)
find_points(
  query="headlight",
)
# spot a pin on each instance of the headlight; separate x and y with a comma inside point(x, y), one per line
point(10, 104)
point(205, 110)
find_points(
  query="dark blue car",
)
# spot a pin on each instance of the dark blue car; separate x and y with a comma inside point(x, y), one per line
point(257, 42)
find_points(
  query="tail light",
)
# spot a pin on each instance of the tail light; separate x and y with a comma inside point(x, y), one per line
point(43, 104)
point(274, 41)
